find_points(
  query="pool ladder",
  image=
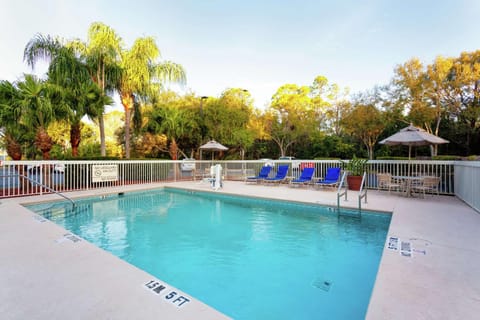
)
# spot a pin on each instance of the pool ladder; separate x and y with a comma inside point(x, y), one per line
point(362, 194)
point(340, 193)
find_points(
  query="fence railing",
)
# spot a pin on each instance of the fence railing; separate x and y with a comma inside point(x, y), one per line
point(80, 175)
point(467, 182)
point(85, 175)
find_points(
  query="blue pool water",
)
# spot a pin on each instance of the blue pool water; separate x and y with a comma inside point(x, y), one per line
point(248, 258)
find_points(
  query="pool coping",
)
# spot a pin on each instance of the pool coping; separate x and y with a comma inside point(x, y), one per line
point(443, 283)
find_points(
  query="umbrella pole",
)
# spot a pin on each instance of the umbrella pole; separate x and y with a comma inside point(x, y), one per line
point(409, 155)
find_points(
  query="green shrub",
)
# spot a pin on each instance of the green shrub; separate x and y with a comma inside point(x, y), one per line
point(446, 157)
point(391, 158)
point(326, 158)
point(92, 158)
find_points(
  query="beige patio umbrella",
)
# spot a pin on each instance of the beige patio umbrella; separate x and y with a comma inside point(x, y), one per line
point(412, 136)
point(212, 145)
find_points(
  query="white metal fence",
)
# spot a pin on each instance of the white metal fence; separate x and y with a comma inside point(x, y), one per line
point(19, 178)
point(467, 182)
point(442, 169)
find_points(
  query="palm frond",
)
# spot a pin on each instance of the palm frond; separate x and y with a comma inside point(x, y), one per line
point(66, 69)
point(78, 46)
point(170, 71)
point(41, 47)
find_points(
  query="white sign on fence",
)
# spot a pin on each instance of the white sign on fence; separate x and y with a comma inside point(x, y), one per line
point(102, 173)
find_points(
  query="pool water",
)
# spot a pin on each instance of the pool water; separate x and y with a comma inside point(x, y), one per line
point(248, 258)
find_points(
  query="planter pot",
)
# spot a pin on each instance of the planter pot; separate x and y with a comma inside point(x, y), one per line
point(354, 182)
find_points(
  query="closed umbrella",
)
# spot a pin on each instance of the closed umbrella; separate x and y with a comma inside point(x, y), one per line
point(213, 145)
point(412, 136)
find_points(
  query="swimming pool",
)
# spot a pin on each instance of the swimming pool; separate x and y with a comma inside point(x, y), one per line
point(248, 258)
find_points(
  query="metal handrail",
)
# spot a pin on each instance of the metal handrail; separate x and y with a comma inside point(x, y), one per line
point(343, 182)
point(362, 193)
point(41, 185)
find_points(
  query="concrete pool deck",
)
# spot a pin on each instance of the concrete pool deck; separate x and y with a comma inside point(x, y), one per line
point(45, 273)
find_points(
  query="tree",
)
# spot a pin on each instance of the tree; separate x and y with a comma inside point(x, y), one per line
point(172, 116)
point(14, 133)
point(174, 124)
point(324, 98)
point(332, 105)
point(139, 72)
point(40, 104)
point(71, 76)
point(438, 75)
point(85, 100)
point(365, 122)
point(227, 119)
point(114, 133)
point(59, 131)
point(151, 145)
point(425, 89)
point(464, 97)
point(101, 54)
point(291, 116)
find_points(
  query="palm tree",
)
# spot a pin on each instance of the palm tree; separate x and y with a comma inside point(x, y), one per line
point(172, 121)
point(12, 129)
point(74, 78)
point(101, 54)
point(84, 99)
point(139, 73)
point(82, 96)
point(15, 133)
point(40, 104)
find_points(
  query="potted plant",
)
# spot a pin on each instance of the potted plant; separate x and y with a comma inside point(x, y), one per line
point(355, 168)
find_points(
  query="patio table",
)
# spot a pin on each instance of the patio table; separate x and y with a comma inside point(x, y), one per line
point(408, 181)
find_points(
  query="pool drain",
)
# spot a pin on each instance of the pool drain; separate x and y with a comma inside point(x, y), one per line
point(322, 284)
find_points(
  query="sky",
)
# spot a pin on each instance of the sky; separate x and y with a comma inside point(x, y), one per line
point(257, 45)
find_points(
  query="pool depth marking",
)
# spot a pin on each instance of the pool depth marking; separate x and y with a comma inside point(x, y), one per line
point(68, 236)
point(39, 218)
point(406, 248)
point(166, 293)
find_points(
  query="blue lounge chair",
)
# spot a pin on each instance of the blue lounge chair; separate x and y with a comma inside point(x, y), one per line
point(280, 176)
point(331, 178)
point(305, 177)
point(264, 172)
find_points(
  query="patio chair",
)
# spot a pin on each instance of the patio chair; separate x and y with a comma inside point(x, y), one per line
point(264, 172)
point(385, 181)
point(280, 176)
point(331, 178)
point(428, 184)
point(305, 177)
